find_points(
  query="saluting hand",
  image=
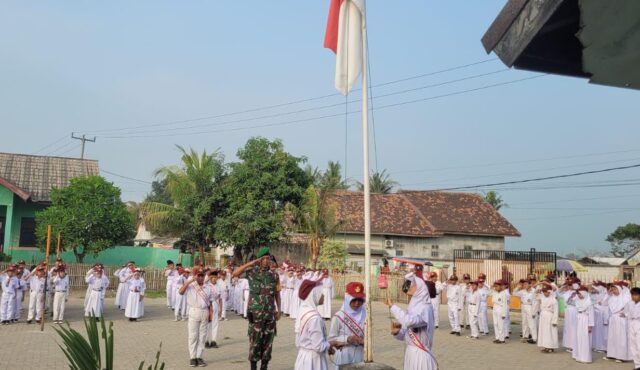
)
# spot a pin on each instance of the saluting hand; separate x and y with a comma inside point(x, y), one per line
point(388, 302)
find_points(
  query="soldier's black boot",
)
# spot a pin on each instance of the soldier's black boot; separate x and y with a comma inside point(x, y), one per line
point(254, 365)
point(264, 365)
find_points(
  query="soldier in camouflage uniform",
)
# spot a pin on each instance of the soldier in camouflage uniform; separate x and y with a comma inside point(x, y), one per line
point(263, 310)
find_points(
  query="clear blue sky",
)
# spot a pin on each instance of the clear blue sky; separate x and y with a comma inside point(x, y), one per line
point(91, 66)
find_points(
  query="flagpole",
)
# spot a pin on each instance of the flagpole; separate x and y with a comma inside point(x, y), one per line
point(368, 341)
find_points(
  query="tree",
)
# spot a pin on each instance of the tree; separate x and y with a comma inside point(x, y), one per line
point(194, 188)
point(89, 215)
point(159, 193)
point(379, 182)
point(625, 239)
point(493, 198)
point(258, 187)
point(332, 178)
point(334, 254)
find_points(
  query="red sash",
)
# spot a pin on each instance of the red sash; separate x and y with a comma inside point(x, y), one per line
point(203, 295)
point(304, 323)
point(416, 341)
point(350, 323)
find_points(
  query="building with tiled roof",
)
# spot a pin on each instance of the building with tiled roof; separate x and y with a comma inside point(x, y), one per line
point(25, 185)
point(423, 224)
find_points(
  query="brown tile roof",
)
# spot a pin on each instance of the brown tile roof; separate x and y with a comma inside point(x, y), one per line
point(31, 177)
point(422, 213)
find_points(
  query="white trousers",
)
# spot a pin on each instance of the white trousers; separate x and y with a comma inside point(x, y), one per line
point(198, 323)
point(214, 325)
point(171, 298)
point(59, 299)
point(224, 305)
point(7, 305)
point(36, 305)
point(17, 304)
point(180, 307)
point(245, 302)
point(454, 317)
point(499, 326)
point(473, 322)
point(529, 323)
point(436, 310)
point(483, 318)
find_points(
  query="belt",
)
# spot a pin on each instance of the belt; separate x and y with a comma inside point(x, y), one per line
point(472, 304)
point(97, 290)
point(61, 291)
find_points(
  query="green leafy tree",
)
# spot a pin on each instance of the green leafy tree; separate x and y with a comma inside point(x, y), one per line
point(495, 200)
point(380, 182)
point(89, 215)
point(193, 188)
point(258, 187)
point(334, 254)
point(332, 178)
point(625, 239)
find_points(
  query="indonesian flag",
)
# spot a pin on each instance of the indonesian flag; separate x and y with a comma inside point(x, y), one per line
point(344, 37)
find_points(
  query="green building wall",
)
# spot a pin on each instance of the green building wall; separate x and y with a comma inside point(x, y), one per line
point(14, 210)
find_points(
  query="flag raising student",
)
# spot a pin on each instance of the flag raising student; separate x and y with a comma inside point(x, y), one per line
point(617, 341)
point(347, 327)
point(454, 303)
point(135, 304)
point(413, 326)
point(500, 308)
point(473, 309)
point(528, 309)
point(599, 296)
point(60, 295)
point(548, 323)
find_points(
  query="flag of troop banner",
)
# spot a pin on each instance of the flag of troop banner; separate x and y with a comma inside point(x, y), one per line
point(344, 36)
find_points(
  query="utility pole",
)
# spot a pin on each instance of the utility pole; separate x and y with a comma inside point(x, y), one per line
point(84, 139)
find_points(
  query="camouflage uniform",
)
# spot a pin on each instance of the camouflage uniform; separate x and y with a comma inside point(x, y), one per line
point(261, 313)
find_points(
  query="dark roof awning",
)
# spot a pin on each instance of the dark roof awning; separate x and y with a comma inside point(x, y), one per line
point(594, 39)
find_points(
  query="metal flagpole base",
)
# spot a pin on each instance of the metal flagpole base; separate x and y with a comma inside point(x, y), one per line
point(366, 366)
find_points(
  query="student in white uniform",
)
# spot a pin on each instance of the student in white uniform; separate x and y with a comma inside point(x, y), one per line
point(473, 309)
point(311, 335)
point(125, 275)
point(37, 294)
point(170, 273)
point(570, 313)
point(454, 303)
point(483, 312)
point(287, 291)
point(180, 311)
point(528, 310)
point(617, 341)
point(22, 274)
point(120, 274)
point(500, 308)
point(632, 312)
point(244, 284)
point(60, 288)
point(347, 327)
point(135, 300)
point(464, 288)
point(328, 292)
point(584, 325)
point(412, 326)
point(9, 286)
point(295, 301)
point(98, 284)
point(433, 276)
point(199, 299)
point(548, 323)
point(223, 290)
point(216, 307)
point(599, 296)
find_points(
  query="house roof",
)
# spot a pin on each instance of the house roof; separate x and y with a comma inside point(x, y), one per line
point(31, 177)
point(613, 261)
point(422, 214)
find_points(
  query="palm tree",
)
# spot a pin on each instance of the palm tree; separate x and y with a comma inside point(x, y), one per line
point(188, 186)
point(493, 198)
point(380, 182)
point(332, 177)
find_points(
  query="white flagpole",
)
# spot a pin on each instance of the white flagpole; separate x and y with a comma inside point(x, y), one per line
point(368, 341)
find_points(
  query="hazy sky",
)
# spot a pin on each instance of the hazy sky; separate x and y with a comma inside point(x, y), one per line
point(179, 72)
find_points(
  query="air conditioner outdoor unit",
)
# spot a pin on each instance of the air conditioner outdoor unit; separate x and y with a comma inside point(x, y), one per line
point(388, 243)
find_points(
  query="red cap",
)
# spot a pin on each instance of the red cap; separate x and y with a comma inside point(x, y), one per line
point(453, 277)
point(500, 282)
point(466, 277)
point(355, 289)
point(305, 288)
point(433, 274)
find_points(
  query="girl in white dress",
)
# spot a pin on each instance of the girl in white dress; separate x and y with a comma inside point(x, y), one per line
point(311, 336)
point(584, 326)
point(97, 286)
point(328, 293)
point(599, 297)
point(617, 341)
point(135, 305)
point(347, 327)
point(632, 311)
point(548, 323)
point(412, 326)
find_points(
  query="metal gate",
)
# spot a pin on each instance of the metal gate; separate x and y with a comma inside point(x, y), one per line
point(508, 265)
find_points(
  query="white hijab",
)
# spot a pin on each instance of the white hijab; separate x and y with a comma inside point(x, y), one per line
point(307, 305)
point(357, 315)
point(582, 301)
point(420, 300)
point(617, 302)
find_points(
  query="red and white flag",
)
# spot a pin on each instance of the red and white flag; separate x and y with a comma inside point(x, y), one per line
point(344, 36)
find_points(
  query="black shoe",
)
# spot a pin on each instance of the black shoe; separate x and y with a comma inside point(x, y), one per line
point(264, 365)
point(213, 345)
point(37, 321)
point(453, 332)
point(531, 341)
point(193, 362)
point(436, 326)
point(28, 322)
point(254, 365)
point(496, 341)
point(206, 345)
point(458, 333)
point(201, 363)
point(468, 326)
point(507, 337)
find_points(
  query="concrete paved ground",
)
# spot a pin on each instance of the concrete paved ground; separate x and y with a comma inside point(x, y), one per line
point(24, 346)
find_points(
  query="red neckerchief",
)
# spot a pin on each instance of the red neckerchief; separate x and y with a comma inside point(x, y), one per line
point(350, 323)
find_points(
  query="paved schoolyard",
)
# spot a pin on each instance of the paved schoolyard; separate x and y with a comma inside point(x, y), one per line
point(24, 346)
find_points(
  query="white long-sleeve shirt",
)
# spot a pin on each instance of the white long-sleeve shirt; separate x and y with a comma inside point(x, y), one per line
point(500, 302)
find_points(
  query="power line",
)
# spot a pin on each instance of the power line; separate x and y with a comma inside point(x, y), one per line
point(125, 177)
point(542, 178)
point(252, 110)
point(59, 148)
point(68, 151)
point(303, 110)
point(330, 115)
point(51, 144)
